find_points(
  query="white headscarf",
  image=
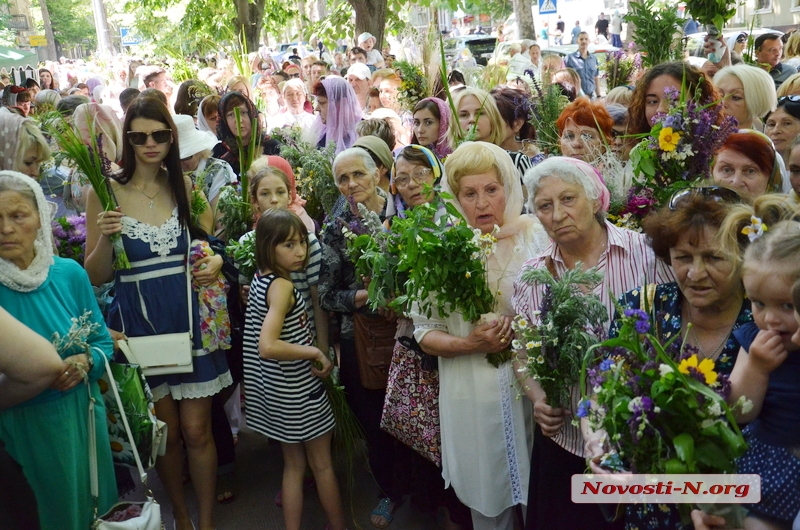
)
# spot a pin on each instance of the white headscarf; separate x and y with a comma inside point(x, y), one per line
point(31, 278)
point(202, 123)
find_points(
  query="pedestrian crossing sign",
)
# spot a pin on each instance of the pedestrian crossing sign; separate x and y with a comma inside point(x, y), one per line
point(547, 7)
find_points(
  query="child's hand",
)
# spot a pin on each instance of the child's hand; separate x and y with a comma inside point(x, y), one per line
point(206, 270)
point(321, 366)
point(767, 351)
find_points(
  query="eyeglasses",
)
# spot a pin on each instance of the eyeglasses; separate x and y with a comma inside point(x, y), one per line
point(616, 134)
point(420, 176)
point(161, 136)
point(713, 193)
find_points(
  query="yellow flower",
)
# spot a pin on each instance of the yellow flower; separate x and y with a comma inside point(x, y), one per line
point(467, 274)
point(668, 139)
point(705, 367)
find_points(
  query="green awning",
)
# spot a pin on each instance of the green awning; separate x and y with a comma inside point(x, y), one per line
point(13, 58)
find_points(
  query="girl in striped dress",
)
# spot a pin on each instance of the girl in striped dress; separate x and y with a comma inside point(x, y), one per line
point(283, 369)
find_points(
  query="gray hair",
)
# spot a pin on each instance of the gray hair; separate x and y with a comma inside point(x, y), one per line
point(619, 113)
point(556, 168)
point(355, 152)
point(68, 104)
point(47, 96)
point(9, 183)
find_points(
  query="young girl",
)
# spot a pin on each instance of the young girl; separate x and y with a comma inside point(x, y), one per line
point(767, 369)
point(283, 370)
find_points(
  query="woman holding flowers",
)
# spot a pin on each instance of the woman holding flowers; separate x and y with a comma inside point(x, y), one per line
point(704, 305)
point(570, 200)
point(47, 434)
point(486, 431)
point(156, 226)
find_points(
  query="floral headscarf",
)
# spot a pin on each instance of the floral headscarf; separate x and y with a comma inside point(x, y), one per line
point(202, 123)
point(435, 166)
point(27, 280)
point(344, 112)
point(442, 147)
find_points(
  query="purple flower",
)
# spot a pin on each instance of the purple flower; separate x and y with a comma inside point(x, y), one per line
point(583, 408)
point(642, 323)
point(606, 365)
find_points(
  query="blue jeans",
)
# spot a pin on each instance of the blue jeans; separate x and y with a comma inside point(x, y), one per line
point(616, 40)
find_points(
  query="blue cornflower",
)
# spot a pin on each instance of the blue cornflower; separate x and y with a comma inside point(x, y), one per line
point(583, 408)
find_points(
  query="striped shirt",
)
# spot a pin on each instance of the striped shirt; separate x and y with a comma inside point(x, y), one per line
point(628, 262)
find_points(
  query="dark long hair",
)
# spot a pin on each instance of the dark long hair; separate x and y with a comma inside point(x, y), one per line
point(153, 109)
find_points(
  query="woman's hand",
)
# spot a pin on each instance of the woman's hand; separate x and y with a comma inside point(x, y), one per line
point(703, 521)
point(116, 336)
point(206, 270)
point(72, 375)
point(550, 419)
point(491, 337)
point(767, 351)
point(321, 366)
point(244, 292)
point(110, 222)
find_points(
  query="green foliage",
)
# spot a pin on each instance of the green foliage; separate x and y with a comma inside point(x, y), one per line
point(244, 255)
point(656, 31)
point(72, 22)
point(547, 108)
point(556, 347)
point(716, 12)
point(413, 86)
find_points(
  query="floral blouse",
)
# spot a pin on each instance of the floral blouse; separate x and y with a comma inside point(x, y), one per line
point(667, 306)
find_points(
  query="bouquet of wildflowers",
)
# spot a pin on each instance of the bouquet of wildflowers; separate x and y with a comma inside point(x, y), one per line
point(620, 68)
point(413, 85)
point(69, 233)
point(548, 104)
point(92, 163)
point(556, 347)
point(677, 152)
point(660, 415)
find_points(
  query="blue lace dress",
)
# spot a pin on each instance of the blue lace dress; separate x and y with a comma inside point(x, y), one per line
point(151, 299)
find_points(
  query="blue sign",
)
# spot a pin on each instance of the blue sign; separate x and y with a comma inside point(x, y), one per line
point(547, 7)
point(128, 37)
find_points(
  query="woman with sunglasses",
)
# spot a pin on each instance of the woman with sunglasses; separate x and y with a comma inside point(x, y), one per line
point(707, 294)
point(783, 125)
point(155, 222)
point(748, 163)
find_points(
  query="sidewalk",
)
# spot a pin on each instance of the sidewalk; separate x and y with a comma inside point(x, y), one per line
point(259, 467)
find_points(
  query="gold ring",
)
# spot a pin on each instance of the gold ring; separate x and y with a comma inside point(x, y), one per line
point(503, 339)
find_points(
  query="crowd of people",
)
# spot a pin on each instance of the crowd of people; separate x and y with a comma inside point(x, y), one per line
point(502, 456)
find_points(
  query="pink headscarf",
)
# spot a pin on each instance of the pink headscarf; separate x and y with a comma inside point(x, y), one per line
point(344, 112)
point(104, 121)
point(297, 202)
point(442, 147)
point(553, 163)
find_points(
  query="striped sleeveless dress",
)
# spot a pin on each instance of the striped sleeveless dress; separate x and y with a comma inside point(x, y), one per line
point(284, 400)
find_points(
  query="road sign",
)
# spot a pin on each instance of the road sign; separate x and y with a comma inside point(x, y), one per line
point(128, 37)
point(37, 40)
point(547, 7)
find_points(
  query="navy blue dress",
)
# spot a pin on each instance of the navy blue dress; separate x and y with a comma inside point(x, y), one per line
point(151, 299)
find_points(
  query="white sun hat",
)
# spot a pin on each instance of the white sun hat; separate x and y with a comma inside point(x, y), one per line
point(190, 140)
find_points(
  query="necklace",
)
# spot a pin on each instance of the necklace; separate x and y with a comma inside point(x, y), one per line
point(152, 199)
point(716, 350)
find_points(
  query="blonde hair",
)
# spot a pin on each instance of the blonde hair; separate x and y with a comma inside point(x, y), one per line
point(792, 48)
point(30, 136)
point(384, 73)
point(789, 87)
point(759, 88)
point(622, 95)
point(471, 158)
point(455, 135)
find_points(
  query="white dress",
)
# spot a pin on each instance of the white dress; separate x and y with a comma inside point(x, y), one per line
point(486, 427)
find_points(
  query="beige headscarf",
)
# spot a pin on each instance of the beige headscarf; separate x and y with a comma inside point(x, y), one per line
point(106, 125)
point(10, 129)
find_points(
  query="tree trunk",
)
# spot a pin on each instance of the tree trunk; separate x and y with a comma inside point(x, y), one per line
point(371, 17)
point(524, 15)
point(48, 32)
point(249, 21)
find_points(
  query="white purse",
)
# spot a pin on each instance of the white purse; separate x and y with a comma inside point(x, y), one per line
point(150, 516)
point(168, 353)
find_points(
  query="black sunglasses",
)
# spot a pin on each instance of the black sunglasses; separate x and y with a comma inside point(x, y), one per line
point(713, 193)
point(161, 136)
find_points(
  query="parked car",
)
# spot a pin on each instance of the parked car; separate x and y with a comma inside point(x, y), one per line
point(694, 41)
point(481, 46)
point(596, 49)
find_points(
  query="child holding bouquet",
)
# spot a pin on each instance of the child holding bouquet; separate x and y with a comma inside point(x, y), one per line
point(283, 370)
point(767, 369)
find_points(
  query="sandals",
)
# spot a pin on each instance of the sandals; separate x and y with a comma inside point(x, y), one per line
point(226, 488)
point(383, 510)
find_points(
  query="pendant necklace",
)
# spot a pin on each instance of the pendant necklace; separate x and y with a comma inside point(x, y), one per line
point(152, 199)
point(715, 351)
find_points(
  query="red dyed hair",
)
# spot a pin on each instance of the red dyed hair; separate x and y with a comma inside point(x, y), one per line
point(758, 149)
point(587, 114)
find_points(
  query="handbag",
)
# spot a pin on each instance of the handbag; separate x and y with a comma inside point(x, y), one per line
point(411, 407)
point(374, 340)
point(149, 433)
point(148, 513)
point(167, 353)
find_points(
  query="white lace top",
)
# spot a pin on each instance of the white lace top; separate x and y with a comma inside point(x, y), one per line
point(162, 238)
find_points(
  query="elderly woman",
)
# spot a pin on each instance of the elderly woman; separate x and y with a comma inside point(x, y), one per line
point(586, 130)
point(485, 430)
point(232, 135)
point(570, 199)
point(431, 121)
point(478, 118)
point(47, 435)
point(343, 292)
point(294, 96)
point(707, 293)
point(749, 164)
point(747, 92)
point(783, 125)
point(23, 148)
point(338, 112)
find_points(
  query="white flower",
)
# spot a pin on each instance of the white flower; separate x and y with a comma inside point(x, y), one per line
point(705, 424)
point(540, 359)
point(516, 344)
point(531, 345)
point(714, 409)
point(466, 274)
point(522, 323)
point(744, 404)
point(597, 389)
point(665, 369)
point(419, 239)
point(656, 409)
point(635, 402)
point(477, 232)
